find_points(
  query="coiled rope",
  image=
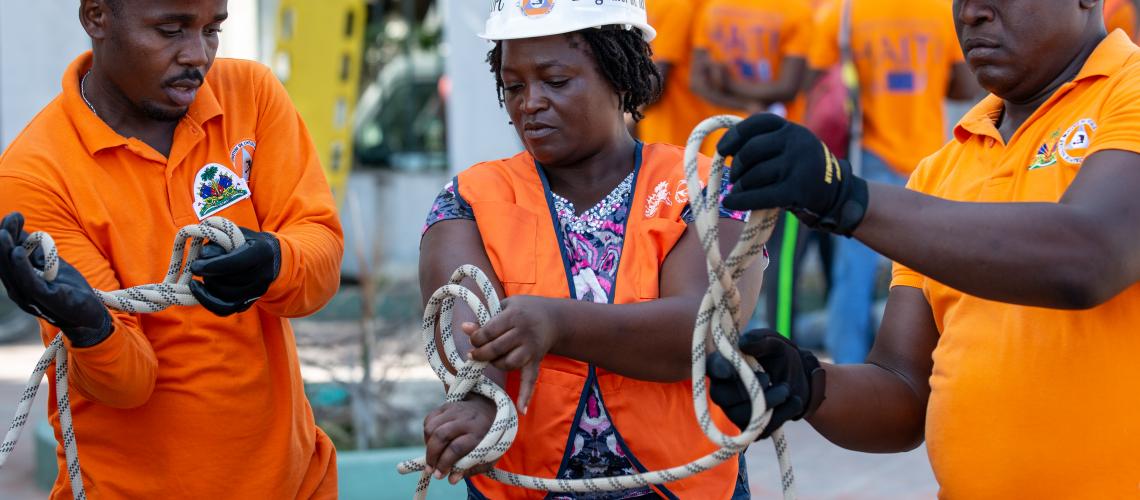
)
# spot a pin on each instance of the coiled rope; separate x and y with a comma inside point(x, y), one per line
point(718, 316)
point(173, 291)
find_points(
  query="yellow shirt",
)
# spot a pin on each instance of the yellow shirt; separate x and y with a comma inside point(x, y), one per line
point(1029, 402)
point(904, 50)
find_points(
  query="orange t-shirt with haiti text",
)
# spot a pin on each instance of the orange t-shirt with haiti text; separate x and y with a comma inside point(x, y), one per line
point(753, 39)
point(904, 51)
point(183, 404)
point(1028, 402)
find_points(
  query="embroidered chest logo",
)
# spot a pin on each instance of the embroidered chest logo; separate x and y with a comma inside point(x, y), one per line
point(1047, 153)
point(241, 157)
point(662, 195)
point(215, 188)
point(1075, 143)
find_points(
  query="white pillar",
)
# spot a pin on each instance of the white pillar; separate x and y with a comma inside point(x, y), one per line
point(477, 128)
point(38, 39)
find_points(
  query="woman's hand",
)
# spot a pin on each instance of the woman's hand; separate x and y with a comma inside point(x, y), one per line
point(518, 338)
point(452, 431)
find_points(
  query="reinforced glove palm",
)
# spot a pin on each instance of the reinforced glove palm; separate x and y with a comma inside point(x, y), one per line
point(793, 380)
point(779, 164)
point(67, 302)
point(232, 282)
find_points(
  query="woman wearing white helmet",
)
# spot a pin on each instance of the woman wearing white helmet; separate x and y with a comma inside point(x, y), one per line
point(586, 233)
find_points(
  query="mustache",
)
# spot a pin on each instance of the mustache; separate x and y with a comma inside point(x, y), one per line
point(188, 75)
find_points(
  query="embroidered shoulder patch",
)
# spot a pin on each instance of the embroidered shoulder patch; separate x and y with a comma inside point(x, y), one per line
point(215, 188)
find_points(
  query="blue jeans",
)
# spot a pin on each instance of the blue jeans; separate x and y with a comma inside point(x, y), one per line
point(849, 335)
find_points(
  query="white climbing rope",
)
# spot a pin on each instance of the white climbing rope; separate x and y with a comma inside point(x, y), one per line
point(716, 325)
point(173, 291)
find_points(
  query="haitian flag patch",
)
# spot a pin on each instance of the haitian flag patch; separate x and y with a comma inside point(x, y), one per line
point(215, 188)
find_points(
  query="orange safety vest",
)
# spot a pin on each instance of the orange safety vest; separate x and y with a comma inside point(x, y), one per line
point(514, 211)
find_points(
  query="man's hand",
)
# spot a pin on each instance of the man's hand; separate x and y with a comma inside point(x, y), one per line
point(517, 339)
point(452, 431)
point(778, 164)
point(793, 381)
point(232, 282)
point(67, 302)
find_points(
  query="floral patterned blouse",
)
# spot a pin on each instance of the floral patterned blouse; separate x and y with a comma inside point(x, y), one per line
point(593, 241)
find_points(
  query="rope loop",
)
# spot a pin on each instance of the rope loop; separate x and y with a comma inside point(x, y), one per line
point(173, 291)
point(716, 327)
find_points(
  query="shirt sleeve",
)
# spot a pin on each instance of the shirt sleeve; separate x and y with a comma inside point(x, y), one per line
point(449, 205)
point(725, 188)
point(700, 29)
point(953, 49)
point(824, 51)
point(674, 27)
point(900, 274)
point(120, 371)
point(797, 42)
point(1117, 128)
point(294, 202)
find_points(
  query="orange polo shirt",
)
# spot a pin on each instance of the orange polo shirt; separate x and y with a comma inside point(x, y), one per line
point(1029, 402)
point(753, 39)
point(182, 403)
point(904, 51)
point(672, 118)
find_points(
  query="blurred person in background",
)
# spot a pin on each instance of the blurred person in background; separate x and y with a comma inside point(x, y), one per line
point(673, 117)
point(149, 134)
point(908, 62)
point(749, 57)
point(1122, 15)
point(587, 234)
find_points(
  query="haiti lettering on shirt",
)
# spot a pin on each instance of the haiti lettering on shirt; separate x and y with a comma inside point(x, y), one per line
point(900, 54)
point(747, 39)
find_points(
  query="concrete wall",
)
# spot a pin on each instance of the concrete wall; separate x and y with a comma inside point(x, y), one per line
point(38, 39)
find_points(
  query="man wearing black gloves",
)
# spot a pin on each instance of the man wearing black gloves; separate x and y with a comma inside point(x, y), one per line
point(151, 134)
point(1009, 341)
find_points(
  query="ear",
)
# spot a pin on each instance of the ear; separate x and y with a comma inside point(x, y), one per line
point(94, 16)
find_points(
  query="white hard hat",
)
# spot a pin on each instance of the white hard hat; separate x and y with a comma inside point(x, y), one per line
point(513, 19)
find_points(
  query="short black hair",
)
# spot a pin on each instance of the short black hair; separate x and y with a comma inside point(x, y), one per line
point(623, 57)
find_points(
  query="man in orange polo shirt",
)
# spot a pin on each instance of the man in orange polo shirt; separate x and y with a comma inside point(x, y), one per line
point(908, 63)
point(1010, 337)
point(151, 134)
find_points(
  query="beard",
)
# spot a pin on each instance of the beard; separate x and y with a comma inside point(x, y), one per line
point(158, 113)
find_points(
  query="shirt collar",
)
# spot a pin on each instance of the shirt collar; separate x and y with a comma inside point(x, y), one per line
point(1109, 56)
point(95, 134)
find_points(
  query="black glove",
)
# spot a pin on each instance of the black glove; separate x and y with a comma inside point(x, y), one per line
point(793, 380)
point(232, 282)
point(778, 164)
point(67, 302)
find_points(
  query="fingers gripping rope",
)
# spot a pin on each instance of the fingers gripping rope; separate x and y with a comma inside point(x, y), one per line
point(173, 291)
point(717, 318)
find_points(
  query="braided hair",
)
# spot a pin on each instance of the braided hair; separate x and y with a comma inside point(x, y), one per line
point(622, 56)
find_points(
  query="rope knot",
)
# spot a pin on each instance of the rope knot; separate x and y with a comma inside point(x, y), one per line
point(716, 326)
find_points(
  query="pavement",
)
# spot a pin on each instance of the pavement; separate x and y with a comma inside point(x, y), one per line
point(823, 471)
